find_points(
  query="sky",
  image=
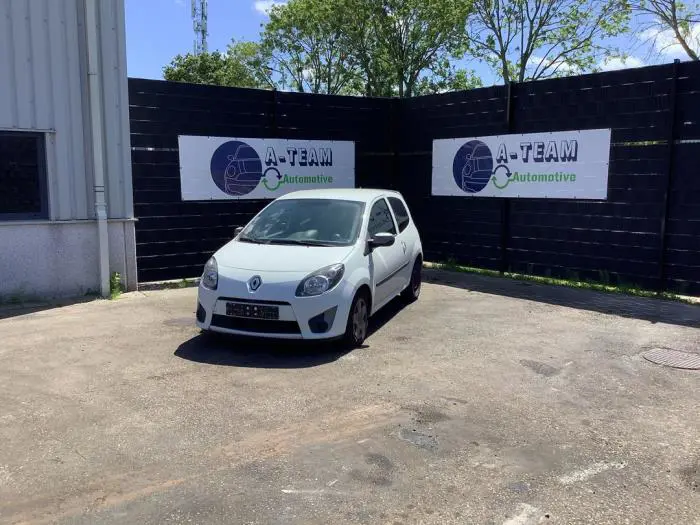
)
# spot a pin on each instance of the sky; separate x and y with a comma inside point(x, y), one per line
point(157, 30)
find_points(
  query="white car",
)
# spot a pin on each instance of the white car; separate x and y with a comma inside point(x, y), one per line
point(313, 264)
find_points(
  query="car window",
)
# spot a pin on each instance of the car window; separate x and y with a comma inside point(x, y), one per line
point(380, 219)
point(311, 221)
point(400, 212)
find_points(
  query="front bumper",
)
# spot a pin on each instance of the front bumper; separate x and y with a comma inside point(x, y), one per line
point(315, 318)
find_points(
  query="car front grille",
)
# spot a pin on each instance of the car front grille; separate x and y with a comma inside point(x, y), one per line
point(256, 326)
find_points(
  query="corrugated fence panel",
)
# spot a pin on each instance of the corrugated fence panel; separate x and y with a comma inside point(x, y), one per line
point(466, 230)
point(618, 240)
point(175, 238)
point(683, 230)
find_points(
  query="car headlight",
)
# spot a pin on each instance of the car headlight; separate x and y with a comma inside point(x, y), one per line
point(321, 281)
point(210, 277)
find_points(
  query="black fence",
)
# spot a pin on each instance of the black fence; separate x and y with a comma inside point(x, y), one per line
point(175, 238)
point(647, 233)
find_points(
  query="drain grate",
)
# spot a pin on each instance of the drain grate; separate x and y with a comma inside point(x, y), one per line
point(673, 358)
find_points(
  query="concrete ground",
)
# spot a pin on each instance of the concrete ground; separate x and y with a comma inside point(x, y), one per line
point(487, 402)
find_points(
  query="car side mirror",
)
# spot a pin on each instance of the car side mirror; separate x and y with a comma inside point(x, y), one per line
point(381, 239)
point(237, 231)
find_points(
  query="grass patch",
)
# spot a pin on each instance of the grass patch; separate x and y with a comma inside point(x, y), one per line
point(574, 281)
point(182, 283)
point(169, 285)
point(115, 285)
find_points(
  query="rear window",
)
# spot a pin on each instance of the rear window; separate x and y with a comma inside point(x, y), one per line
point(400, 212)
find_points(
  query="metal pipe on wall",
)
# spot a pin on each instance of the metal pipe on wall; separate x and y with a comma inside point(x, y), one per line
point(95, 90)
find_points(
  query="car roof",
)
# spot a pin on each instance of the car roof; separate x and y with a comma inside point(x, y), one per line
point(349, 194)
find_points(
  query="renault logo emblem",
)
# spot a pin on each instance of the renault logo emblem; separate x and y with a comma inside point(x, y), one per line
point(254, 283)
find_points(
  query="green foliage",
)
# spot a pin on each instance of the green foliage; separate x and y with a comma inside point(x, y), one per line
point(243, 65)
point(533, 39)
point(306, 51)
point(115, 285)
point(573, 282)
point(169, 285)
point(445, 77)
point(415, 36)
point(348, 47)
point(402, 47)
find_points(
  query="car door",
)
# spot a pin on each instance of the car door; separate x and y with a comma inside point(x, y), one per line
point(404, 239)
point(385, 261)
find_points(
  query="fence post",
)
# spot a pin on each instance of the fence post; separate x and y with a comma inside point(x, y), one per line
point(505, 201)
point(275, 102)
point(395, 161)
point(669, 176)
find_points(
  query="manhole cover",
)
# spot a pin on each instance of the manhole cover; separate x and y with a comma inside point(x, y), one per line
point(673, 358)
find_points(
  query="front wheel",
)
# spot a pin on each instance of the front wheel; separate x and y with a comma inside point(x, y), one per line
point(358, 321)
point(412, 291)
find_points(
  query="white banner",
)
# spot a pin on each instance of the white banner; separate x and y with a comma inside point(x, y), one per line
point(231, 168)
point(556, 165)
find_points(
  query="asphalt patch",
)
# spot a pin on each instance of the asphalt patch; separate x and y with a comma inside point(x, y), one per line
point(540, 368)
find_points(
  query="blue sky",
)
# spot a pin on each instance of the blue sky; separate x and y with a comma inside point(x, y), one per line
point(157, 30)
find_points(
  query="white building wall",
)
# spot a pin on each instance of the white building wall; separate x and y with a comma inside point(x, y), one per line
point(42, 259)
point(44, 87)
point(41, 90)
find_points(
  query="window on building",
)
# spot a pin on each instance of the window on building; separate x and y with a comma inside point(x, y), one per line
point(22, 176)
point(400, 212)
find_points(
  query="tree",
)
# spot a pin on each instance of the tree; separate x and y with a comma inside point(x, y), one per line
point(303, 40)
point(446, 77)
point(243, 65)
point(370, 47)
point(533, 39)
point(678, 20)
point(358, 47)
point(366, 48)
point(395, 43)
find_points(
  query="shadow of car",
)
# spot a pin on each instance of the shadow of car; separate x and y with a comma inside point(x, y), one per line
point(226, 350)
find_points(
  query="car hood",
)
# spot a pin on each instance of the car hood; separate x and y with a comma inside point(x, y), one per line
point(279, 257)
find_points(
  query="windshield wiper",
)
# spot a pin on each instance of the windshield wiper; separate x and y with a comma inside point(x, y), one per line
point(299, 242)
point(253, 240)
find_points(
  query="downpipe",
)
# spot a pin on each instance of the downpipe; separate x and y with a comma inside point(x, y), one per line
point(95, 89)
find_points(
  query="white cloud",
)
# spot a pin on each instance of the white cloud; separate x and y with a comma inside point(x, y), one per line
point(264, 6)
point(614, 63)
point(181, 3)
point(665, 43)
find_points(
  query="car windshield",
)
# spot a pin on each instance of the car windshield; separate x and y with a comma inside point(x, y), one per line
point(309, 222)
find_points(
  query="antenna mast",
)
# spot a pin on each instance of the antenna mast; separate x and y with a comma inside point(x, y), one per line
point(199, 23)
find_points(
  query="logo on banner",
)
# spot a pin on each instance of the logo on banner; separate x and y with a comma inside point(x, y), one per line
point(236, 168)
point(474, 165)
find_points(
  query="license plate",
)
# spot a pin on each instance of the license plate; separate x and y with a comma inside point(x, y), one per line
point(253, 311)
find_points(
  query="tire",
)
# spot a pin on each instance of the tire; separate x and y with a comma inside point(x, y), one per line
point(358, 321)
point(412, 291)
